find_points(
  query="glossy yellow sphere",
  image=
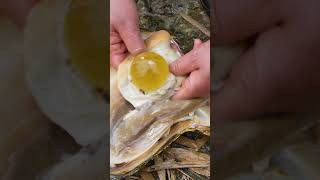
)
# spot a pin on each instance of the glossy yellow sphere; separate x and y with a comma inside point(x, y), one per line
point(149, 71)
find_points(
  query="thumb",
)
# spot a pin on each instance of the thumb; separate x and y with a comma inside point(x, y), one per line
point(196, 85)
point(188, 62)
point(130, 34)
point(187, 89)
point(185, 64)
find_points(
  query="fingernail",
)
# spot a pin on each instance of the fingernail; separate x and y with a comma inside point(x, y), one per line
point(138, 50)
point(173, 66)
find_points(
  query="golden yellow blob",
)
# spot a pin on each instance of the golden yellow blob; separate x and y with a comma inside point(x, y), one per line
point(86, 41)
point(149, 71)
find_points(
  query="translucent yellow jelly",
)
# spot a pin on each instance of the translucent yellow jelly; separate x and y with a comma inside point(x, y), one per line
point(149, 71)
point(86, 41)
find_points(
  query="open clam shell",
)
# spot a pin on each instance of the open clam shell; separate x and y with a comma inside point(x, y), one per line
point(138, 135)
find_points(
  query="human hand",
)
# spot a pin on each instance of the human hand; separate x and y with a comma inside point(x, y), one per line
point(124, 31)
point(280, 71)
point(197, 64)
point(17, 10)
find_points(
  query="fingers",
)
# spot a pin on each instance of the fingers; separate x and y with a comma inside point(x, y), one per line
point(118, 48)
point(124, 32)
point(116, 59)
point(187, 90)
point(114, 37)
point(196, 43)
point(197, 62)
point(128, 28)
point(196, 85)
point(130, 35)
point(186, 63)
point(118, 52)
point(237, 20)
point(119, 44)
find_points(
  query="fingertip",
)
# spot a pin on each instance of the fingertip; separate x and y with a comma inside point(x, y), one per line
point(182, 95)
point(175, 68)
point(138, 49)
point(196, 43)
point(172, 67)
point(132, 39)
point(185, 92)
point(178, 96)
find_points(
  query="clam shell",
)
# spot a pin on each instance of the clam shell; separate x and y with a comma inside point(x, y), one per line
point(133, 166)
point(138, 135)
point(129, 128)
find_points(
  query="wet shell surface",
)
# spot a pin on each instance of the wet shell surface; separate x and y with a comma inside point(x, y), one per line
point(138, 135)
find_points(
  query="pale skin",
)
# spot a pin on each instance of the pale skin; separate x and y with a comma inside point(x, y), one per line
point(124, 31)
point(278, 73)
point(125, 38)
point(195, 64)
